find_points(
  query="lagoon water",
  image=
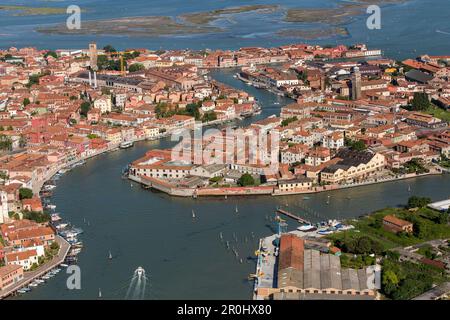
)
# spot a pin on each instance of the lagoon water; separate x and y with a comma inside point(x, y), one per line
point(408, 28)
point(185, 258)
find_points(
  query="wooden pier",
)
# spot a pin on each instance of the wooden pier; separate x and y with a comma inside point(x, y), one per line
point(293, 216)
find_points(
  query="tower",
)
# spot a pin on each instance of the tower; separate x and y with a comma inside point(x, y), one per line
point(356, 84)
point(93, 56)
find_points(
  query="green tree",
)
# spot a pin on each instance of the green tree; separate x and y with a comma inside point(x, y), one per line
point(5, 142)
point(22, 141)
point(85, 107)
point(25, 193)
point(109, 48)
point(246, 180)
point(51, 53)
point(26, 102)
point(420, 101)
point(285, 122)
point(136, 67)
point(418, 202)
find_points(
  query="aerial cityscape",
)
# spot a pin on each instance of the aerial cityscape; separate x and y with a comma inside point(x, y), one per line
point(231, 150)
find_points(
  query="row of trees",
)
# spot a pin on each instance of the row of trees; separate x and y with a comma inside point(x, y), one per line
point(163, 110)
point(360, 245)
point(406, 280)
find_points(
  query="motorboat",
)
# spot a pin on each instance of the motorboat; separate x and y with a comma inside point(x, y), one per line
point(325, 231)
point(55, 217)
point(306, 227)
point(140, 271)
point(126, 144)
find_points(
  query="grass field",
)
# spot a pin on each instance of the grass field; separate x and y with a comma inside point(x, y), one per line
point(371, 227)
point(439, 113)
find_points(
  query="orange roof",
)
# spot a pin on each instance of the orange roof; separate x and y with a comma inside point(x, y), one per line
point(396, 221)
point(19, 256)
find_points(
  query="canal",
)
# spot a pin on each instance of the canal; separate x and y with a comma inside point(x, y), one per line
point(185, 258)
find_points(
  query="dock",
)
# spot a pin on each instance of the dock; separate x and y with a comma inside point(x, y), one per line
point(293, 216)
point(30, 276)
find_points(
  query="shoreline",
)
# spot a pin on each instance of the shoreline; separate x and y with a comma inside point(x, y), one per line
point(171, 190)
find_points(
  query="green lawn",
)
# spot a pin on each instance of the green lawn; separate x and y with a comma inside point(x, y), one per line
point(439, 113)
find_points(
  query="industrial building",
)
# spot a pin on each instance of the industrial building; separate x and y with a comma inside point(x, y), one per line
point(310, 274)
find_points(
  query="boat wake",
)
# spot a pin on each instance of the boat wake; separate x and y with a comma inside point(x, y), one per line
point(443, 32)
point(136, 290)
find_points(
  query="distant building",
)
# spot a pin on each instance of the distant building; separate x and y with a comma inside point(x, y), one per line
point(394, 224)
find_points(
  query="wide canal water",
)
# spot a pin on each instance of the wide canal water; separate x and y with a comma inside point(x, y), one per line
point(185, 259)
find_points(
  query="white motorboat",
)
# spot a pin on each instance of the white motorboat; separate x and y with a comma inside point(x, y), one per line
point(306, 227)
point(126, 144)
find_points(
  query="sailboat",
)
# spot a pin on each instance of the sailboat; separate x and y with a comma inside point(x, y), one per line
point(110, 255)
point(221, 236)
point(236, 209)
point(193, 214)
point(409, 188)
point(99, 293)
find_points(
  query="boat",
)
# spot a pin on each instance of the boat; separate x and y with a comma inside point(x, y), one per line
point(306, 227)
point(193, 214)
point(46, 277)
point(33, 284)
point(236, 209)
point(325, 232)
point(126, 144)
point(306, 198)
point(110, 255)
point(21, 291)
point(140, 271)
point(55, 217)
point(64, 265)
point(39, 280)
point(61, 226)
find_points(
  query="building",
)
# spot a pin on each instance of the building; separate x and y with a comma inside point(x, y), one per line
point(10, 275)
point(26, 258)
point(309, 274)
point(295, 185)
point(394, 224)
point(354, 166)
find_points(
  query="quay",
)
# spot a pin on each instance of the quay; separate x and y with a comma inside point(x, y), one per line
point(293, 216)
point(30, 276)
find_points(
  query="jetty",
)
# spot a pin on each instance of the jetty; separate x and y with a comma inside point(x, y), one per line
point(293, 216)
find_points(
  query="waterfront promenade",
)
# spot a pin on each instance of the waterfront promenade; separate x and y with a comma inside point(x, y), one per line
point(174, 190)
point(30, 276)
